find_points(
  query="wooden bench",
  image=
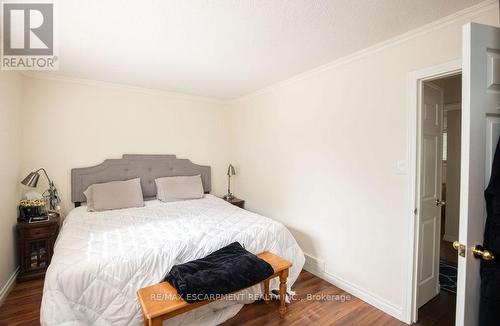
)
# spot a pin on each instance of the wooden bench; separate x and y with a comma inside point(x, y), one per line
point(161, 301)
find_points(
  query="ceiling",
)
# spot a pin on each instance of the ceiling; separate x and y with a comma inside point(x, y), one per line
point(225, 48)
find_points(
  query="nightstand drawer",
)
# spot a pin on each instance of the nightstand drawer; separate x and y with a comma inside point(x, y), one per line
point(39, 232)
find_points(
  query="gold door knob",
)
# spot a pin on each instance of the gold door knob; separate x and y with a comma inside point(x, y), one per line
point(440, 202)
point(460, 248)
point(480, 252)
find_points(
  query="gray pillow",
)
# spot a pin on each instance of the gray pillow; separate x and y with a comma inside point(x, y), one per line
point(179, 188)
point(114, 195)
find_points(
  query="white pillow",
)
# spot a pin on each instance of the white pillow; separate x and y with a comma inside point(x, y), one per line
point(179, 188)
point(114, 195)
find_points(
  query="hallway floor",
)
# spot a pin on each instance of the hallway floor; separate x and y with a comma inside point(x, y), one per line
point(440, 311)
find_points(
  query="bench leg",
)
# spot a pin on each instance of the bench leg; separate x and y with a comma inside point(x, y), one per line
point(266, 291)
point(153, 322)
point(283, 277)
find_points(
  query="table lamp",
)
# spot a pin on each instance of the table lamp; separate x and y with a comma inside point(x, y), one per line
point(31, 180)
point(230, 172)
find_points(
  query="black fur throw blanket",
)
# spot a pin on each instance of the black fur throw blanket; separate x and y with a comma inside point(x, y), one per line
point(226, 270)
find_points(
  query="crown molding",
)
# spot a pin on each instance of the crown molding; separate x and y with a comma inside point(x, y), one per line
point(125, 87)
point(469, 12)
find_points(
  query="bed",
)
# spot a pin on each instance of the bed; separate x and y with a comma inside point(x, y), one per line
point(102, 258)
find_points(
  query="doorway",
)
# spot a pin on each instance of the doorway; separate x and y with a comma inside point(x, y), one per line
point(438, 199)
point(480, 133)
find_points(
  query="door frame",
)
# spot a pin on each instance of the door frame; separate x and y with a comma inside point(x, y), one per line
point(415, 82)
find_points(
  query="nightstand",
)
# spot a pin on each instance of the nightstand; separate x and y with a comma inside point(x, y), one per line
point(36, 246)
point(236, 202)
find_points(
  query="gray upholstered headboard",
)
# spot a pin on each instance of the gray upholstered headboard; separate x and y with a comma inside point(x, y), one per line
point(146, 167)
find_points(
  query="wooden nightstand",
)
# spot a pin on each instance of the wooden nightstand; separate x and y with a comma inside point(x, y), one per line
point(36, 246)
point(236, 202)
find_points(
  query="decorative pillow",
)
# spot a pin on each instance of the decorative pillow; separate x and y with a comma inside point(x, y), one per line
point(114, 195)
point(179, 188)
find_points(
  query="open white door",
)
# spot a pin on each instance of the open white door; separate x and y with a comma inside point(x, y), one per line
point(480, 126)
point(431, 130)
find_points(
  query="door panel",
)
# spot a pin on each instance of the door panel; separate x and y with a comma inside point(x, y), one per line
point(431, 145)
point(480, 101)
point(427, 269)
point(430, 191)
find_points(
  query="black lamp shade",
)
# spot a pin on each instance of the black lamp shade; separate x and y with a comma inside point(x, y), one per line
point(31, 180)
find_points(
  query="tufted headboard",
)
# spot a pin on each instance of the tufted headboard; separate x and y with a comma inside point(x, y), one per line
point(146, 167)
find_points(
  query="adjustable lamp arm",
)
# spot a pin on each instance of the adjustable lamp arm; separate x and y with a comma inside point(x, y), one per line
point(45, 172)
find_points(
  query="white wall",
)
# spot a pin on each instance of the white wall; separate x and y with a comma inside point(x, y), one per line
point(10, 107)
point(318, 153)
point(71, 123)
point(452, 88)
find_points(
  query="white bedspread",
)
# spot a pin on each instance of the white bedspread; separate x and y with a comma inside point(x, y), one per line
point(102, 258)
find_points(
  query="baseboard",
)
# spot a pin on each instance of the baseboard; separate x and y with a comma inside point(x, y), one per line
point(8, 285)
point(449, 238)
point(313, 263)
point(353, 289)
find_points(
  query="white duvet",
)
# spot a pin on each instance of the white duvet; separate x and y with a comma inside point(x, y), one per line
point(102, 258)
